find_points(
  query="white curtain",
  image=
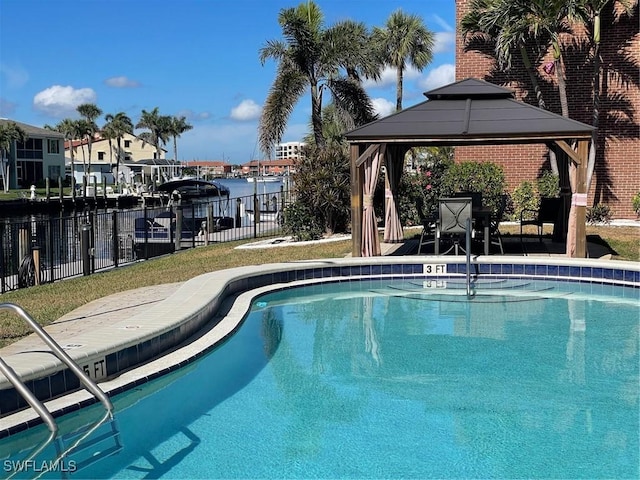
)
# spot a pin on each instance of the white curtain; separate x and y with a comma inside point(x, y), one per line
point(371, 166)
point(394, 163)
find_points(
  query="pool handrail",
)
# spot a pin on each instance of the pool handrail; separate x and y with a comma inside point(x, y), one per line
point(19, 385)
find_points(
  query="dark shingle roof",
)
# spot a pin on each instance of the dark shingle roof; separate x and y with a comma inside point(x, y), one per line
point(32, 131)
point(470, 111)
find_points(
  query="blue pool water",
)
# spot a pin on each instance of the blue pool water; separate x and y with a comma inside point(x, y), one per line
point(389, 379)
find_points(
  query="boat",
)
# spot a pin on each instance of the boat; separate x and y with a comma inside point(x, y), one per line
point(193, 188)
point(263, 178)
point(266, 216)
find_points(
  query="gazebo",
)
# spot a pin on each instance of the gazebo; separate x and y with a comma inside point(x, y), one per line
point(468, 112)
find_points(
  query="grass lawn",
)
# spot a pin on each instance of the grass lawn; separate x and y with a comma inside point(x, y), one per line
point(46, 303)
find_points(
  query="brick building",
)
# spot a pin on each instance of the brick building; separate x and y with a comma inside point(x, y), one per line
point(617, 171)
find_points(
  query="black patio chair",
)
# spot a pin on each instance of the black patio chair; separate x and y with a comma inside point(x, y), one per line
point(547, 212)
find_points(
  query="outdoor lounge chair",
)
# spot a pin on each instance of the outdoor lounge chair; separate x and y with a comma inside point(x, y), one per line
point(454, 221)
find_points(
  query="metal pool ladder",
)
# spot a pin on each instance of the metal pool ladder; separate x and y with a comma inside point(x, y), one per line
point(22, 389)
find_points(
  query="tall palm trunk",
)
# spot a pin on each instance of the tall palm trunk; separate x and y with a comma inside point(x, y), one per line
point(73, 170)
point(595, 119)
point(560, 77)
point(553, 161)
point(399, 81)
point(316, 114)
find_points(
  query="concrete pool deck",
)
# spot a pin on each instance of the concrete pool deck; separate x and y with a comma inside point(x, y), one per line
point(121, 319)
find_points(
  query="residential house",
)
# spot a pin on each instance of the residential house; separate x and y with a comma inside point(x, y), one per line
point(213, 168)
point(286, 166)
point(104, 154)
point(41, 156)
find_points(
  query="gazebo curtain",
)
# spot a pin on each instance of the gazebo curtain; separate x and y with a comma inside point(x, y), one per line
point(394, 162)
point(370, 163)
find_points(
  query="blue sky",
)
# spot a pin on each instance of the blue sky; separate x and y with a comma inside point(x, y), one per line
point(197, 58)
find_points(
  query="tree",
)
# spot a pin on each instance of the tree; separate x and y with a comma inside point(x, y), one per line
point(69, 128)
point(308, 58)
point(404, 41)
point(177, 126)
point(10, 132)
point(158, 126)
point(90, 113)
point(117, 126)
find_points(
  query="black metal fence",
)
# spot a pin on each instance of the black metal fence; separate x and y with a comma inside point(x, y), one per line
point(44, 251)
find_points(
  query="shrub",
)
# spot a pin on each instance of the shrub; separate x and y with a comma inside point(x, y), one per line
point(301, 223)
point(548, 184)
point(524, 197)
point(418, 193)
point(323, 190)
point(479, 177)
point(635, 203)
point(599, 213)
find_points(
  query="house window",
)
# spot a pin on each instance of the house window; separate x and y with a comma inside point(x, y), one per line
point(127, 144)
point(54, 172)
point(31, 149)
point(100, 156)
point(127, 156)
point(53, 146)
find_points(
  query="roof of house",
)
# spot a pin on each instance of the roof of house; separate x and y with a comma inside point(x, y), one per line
point(33, 131)
point(470, 111)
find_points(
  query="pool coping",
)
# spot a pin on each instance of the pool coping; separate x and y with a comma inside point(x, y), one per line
point(135, 350)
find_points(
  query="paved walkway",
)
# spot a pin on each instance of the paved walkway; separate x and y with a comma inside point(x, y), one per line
point(103, 311)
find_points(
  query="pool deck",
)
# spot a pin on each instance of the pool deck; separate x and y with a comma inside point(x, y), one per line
point(116, 309)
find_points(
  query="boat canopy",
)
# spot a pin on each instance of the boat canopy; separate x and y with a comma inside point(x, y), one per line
point(192, 186)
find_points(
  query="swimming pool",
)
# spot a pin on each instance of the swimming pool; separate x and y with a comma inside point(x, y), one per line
point(393, 377)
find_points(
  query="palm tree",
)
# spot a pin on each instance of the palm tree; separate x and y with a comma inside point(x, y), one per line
point(90, 113)
point(499, 23)
point(405, 41)
point(158, 126)
point(69, 128)
point(177, 126)
point(117, 125)
point(307, 58)
point(10, 132)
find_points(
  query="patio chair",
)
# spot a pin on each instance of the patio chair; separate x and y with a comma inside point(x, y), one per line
point(494, 225)
point(428, 234)
point(547, 212)
point(454, 221)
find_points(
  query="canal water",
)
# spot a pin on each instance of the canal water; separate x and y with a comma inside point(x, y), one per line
point(238, 187)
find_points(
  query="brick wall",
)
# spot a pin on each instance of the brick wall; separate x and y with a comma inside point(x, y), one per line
point(617, 174)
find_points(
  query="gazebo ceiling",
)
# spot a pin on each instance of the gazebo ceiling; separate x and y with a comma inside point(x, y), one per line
point(470, 111)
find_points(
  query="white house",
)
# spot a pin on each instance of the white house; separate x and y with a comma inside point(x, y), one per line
point(104, 157)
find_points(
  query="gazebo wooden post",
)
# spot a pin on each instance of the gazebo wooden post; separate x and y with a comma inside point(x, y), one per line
point(581, 199)
point(356, 201)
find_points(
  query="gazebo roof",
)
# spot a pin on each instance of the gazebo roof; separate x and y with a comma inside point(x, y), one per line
point(470, 111)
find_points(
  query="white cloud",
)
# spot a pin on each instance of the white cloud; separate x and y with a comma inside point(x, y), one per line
point(16, 77)
point(121, 82)
point(383, 107)
point(59, 101)
point(438, 77)
point(190, 115)
point(246, 110)
point(443, 23)
point(444, 42)
point(388, 77)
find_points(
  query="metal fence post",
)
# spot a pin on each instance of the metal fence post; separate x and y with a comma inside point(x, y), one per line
point(178, 238)
point(84, 248)
point(115, 244)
